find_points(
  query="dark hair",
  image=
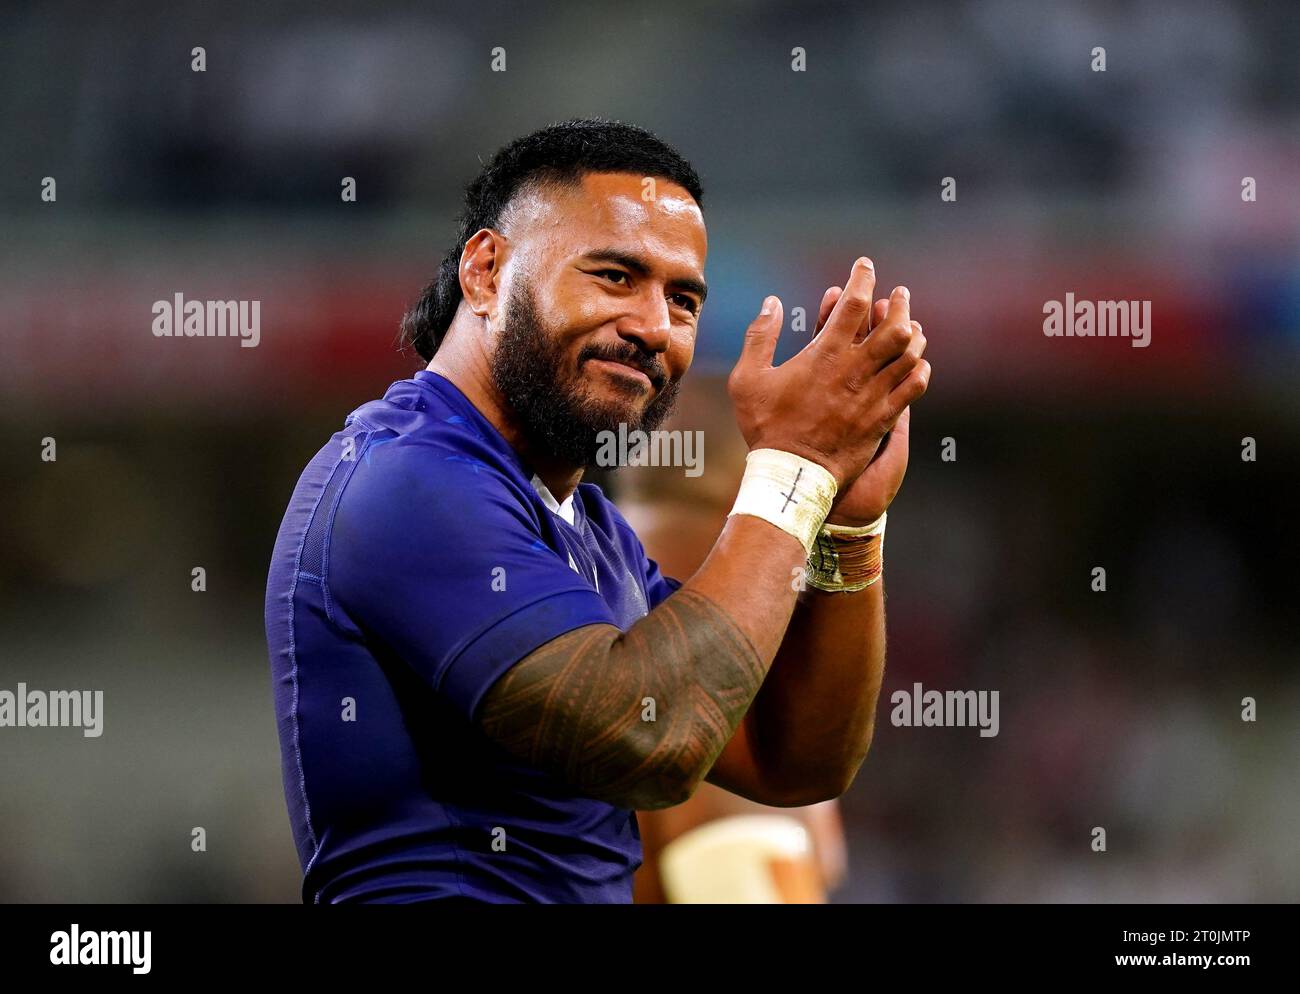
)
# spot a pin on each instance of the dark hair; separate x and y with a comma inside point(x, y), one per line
point(561, 153)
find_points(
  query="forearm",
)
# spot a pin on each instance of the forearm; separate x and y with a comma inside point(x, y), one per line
point(638, 718)
point(814, 717)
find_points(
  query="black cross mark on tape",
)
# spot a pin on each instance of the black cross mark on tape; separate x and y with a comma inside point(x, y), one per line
point(790, 496)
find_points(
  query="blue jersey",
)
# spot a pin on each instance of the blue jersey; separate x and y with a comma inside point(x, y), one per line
point(419, 560)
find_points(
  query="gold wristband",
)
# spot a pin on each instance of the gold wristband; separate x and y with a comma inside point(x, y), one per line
point(846, 558)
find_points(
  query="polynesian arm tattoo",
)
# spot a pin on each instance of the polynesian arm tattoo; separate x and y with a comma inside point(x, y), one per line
point(577, 706)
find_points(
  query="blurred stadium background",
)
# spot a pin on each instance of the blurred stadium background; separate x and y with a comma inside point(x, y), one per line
point(1118, 709)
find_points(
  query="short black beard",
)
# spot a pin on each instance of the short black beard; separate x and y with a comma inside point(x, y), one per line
point(529, 369)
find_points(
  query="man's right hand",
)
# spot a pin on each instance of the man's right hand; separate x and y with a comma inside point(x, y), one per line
point(834, 401)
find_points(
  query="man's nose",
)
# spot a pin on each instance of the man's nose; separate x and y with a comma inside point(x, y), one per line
point(648, 323)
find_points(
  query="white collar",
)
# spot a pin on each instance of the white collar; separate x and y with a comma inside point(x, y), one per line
point(564, 510)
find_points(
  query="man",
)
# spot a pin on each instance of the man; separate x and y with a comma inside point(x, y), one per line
point(479, 676)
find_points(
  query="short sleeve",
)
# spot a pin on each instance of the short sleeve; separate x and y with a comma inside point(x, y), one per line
point(439, 556)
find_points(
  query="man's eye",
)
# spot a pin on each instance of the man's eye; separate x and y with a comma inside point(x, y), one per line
point(682, 300)
point(613, 274)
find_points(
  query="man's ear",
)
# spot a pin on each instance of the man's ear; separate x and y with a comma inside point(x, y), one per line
point(480, 271)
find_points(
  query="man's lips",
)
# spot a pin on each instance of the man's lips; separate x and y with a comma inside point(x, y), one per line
point(623, 369)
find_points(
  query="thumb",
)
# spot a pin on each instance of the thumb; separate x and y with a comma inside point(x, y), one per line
point(762, 333)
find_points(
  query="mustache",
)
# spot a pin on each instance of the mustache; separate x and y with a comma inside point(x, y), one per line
point(634, 358)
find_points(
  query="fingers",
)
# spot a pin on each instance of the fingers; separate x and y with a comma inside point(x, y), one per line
point(892, 345)
point(853, 309)
point(832, 294)
point(829, 298)
point(895, 371)
point(762, 334)
point(891, 337)
point(878, 311)
point(900, 301)
point(911, 389)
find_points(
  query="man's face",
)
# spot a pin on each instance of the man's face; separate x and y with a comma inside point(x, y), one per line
point(602, 293)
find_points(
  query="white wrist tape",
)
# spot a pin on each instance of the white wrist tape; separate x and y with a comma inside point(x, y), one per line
point(791, 492)
point(876, 527)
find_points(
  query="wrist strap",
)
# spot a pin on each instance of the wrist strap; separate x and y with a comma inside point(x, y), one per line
point(846, 558)
point(791, 492)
